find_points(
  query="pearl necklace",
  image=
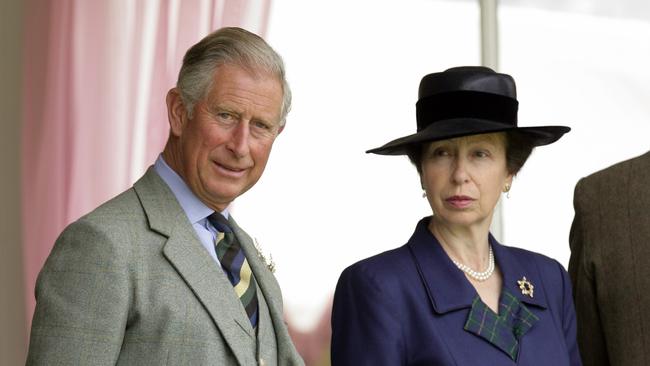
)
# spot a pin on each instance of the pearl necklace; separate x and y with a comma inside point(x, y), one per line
point(479, 276)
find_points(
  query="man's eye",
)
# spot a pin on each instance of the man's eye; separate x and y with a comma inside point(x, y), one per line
point(262, 125)
point(225, 115)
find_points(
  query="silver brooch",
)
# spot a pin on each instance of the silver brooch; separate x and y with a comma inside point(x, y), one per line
point(270, 264)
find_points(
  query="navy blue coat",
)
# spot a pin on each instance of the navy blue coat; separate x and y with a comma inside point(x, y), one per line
point(408, 306)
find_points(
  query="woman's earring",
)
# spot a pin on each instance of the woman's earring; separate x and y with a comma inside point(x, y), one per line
point(506, 190)
point(424, 194)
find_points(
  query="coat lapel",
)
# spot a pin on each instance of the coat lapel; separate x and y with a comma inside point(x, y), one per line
point(446, 286)
point(194, 264)
point(272, 294)
point(513, 269)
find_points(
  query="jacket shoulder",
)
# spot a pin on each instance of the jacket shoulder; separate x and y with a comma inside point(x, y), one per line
point(106, 232)
point(617, 172)
point(125, 204)
point(541, 261)
point(385, 270)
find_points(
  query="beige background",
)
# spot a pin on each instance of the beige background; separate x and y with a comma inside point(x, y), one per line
point(12, 310)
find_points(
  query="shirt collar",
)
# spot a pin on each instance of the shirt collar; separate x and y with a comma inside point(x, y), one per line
point(447, 287)
point(194, 208)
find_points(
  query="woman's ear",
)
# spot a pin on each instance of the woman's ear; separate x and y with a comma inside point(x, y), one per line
point(176, 112)
point(509, 179)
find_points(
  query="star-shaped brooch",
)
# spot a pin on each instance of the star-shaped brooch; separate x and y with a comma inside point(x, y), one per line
point(526, 287)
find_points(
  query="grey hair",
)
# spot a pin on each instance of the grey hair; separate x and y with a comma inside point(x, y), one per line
point(230, 45)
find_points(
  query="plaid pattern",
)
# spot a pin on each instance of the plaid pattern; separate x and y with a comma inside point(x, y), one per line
point(504, 330)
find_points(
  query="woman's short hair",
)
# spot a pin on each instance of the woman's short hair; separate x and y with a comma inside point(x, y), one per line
point(234, 46)
point(518, 149)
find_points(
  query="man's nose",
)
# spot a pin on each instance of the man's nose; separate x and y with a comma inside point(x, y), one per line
point(239, 139)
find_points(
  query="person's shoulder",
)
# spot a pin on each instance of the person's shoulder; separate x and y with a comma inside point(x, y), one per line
point(121, 208)
point(617, 171)
point(115, 221)
point(545, 264)
point(386, 267)
point(383, 262)
point(106, 236)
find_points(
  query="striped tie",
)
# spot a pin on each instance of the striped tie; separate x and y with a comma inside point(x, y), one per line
point(234, 264)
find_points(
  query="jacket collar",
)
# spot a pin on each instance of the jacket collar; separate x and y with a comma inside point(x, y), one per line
point(447, 287)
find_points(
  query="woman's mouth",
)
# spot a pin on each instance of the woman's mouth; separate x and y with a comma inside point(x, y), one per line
point(460, 202)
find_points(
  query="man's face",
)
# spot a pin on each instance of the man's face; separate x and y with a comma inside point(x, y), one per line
point(224, 148)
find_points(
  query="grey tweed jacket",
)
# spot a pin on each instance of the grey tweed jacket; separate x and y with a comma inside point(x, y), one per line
point(610, 264)
point(130, 284)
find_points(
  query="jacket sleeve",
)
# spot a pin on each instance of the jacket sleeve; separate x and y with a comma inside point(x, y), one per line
point(82, 300)
point(365, 324)
point(591, 339)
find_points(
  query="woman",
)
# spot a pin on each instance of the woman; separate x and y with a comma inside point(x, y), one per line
point(453, 295)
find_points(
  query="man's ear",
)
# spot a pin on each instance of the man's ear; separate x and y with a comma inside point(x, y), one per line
point(176, 112)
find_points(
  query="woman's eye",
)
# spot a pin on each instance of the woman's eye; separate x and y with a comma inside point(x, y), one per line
point(481, 154)
point(440, 152)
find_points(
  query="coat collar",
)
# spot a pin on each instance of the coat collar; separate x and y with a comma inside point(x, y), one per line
point(447, 287)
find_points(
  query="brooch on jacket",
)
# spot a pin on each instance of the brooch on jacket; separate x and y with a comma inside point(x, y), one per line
point(526, 287)
point(270, 264)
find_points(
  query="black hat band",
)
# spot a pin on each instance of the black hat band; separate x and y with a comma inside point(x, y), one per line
point(466, 104)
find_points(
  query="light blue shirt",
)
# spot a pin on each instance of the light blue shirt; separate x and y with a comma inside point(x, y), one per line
point(195, 210)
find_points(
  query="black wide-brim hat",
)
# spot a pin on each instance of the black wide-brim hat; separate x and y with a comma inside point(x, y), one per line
point(463, 101)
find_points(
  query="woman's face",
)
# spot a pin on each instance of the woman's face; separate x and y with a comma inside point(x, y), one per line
point(464, 177)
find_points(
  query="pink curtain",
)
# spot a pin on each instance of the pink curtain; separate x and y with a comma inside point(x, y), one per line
point(95, 78)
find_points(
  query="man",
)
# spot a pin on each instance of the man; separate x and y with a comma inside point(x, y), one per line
point(161, 275)
point(610, 264)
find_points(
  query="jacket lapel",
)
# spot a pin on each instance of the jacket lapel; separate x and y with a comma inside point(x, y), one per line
point(513, 269)
point(446, 286)
point(271, 292)
point(194, 264)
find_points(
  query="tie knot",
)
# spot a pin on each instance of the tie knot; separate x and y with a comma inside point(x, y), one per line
point(219, 222)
